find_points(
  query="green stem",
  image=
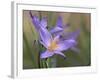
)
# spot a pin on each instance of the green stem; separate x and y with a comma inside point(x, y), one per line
point(44, 64)
point(48, 62)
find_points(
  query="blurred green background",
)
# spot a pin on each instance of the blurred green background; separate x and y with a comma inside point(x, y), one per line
point(31, 47)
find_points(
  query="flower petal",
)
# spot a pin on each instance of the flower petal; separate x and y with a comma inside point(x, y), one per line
point(44, 22)
point(59, 22)
point(59, 53)
point(46, 54)
point(35, 21)
point(45, 36)
point(66, 44)
point(57, 37)
point(75, 49)
point(56, 30)
point(72, 35)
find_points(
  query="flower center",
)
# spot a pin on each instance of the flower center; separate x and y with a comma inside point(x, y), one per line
point(53, 45)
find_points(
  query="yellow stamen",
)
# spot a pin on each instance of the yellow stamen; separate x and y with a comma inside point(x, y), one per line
point(53, 45)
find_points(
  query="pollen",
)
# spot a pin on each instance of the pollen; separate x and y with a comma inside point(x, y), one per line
point(53, 45)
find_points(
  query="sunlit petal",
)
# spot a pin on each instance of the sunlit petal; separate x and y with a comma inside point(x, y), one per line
point(65, 45)
point(59, 53)
point(56, 30)
point(46, 54)
point(75, 49)
point(44, 22)
point(72, 35)
point(45, 36)
point(59, 22)
point(36, 23)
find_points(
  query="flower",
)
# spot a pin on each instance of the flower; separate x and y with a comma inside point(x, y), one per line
point(54, 45)
point(52, 41)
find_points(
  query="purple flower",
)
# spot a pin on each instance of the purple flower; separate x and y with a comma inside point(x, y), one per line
point(52, 41)
point(54, 45)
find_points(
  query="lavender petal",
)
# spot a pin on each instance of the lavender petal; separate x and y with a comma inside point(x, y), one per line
point(59, 53)
point(45, 36)
point(46, 54)
point(44, 22)
point(65, 45)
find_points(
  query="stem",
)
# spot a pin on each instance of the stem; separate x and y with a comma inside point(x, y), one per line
point(48, 62)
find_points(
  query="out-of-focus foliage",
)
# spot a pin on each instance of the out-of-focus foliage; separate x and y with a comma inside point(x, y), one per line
point(32, 49)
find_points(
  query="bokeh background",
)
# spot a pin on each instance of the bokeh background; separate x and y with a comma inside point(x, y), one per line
point(31, 47)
